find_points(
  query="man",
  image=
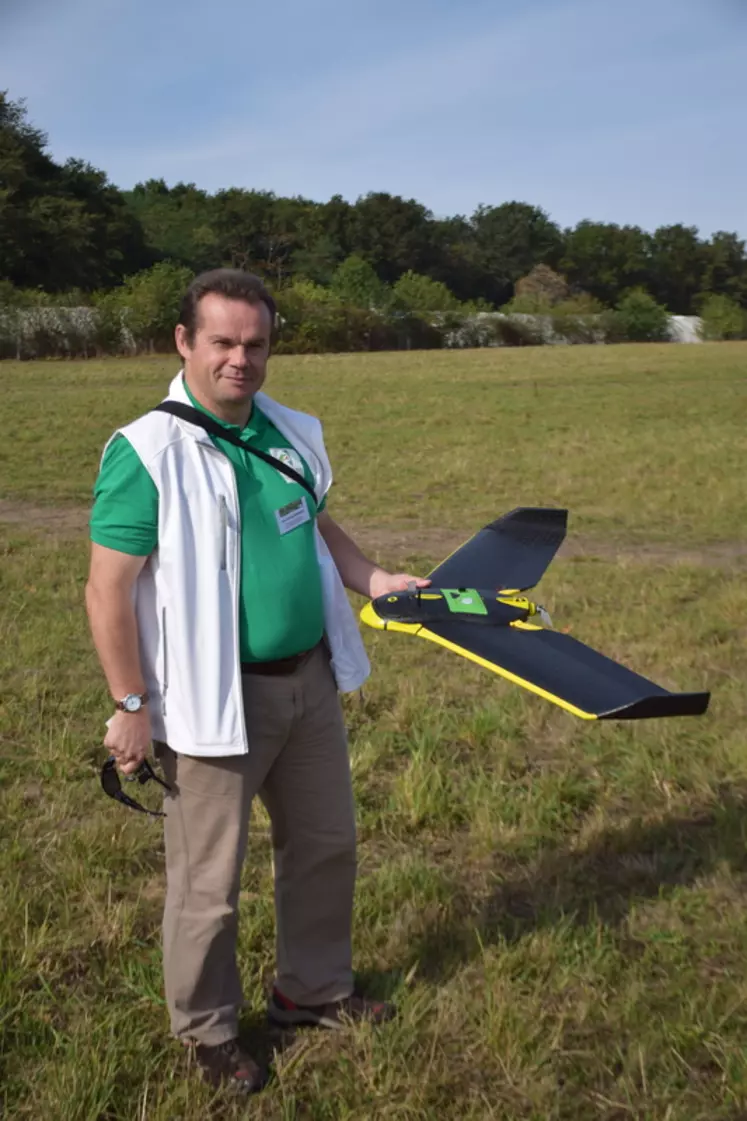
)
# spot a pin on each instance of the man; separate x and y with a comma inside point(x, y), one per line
point(216, 600)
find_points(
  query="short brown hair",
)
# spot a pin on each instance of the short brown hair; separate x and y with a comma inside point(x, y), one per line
point(234, 284)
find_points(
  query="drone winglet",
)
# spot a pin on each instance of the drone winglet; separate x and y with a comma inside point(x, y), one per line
point(494, 631)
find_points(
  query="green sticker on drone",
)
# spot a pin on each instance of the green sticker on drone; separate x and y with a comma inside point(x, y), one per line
point(464, 601)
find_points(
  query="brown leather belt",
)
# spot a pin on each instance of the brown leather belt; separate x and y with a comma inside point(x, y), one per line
point(281, 667)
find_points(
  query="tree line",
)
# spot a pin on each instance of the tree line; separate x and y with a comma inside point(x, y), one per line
point(69, 236)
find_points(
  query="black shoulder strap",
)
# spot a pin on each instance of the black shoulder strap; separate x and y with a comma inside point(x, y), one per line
point(187, 412)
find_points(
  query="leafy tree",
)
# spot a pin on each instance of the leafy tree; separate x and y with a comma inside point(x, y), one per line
point(393, 234)
point(579, 319)
point(317, 260)
point(355, 282)
point(323, 239)
point(531, 303)
point(179, 223)
point(639, 319)
point(677, 266)
point(605, 259)
point(511, 239)
point(315, 320)
point(247, 233)
point(9, 295)
point(543, 283)
point(420, 294)
point(66, 232)
point(725, 266)
point(455, 258)
point(722, 318)
point(60, 225)
point(152, 299)
point(336, 220)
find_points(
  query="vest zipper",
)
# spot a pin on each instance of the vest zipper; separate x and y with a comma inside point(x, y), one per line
point(165, 688)
point(223, 532)
point(210, 446)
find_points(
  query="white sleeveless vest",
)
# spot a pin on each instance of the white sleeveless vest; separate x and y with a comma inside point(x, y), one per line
point(186, 597)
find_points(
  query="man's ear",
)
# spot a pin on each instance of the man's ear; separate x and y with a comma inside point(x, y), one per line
point(180, 338)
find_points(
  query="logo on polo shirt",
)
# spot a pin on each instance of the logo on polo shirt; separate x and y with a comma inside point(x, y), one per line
point(290, 459)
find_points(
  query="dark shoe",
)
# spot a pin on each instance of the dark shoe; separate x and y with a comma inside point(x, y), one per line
point(334, 1015)
point(227, 1064)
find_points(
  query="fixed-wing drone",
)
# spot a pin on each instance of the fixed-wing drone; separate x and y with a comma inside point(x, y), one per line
point(473, 607)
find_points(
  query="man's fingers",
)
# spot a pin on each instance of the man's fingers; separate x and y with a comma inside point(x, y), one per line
point(127, 761)
point(386, 583)
point(129, 767)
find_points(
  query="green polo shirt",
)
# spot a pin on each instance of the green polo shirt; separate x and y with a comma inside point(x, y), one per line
point(280, 598)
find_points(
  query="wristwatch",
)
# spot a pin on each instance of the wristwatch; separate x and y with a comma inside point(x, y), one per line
point(133, 702)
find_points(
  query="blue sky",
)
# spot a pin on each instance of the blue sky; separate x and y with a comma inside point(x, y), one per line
point(629, 112)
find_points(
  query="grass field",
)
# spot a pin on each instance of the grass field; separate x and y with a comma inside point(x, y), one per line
point(557, 907)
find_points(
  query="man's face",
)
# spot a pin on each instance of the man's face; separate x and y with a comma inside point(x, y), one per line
point(226, 363)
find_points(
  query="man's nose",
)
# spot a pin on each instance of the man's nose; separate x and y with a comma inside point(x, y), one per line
point(239, 357)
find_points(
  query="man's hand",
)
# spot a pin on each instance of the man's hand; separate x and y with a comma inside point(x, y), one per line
point(383, 582)
point(129, 739)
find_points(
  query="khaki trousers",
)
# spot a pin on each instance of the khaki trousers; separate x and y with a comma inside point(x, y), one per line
point(298, 765)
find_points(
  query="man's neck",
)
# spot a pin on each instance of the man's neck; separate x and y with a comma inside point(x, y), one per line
point(238, 413)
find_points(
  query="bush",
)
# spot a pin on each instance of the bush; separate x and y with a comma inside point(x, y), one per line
point(152, 299)
point(310, 318)
point(37, 324)
point(111, 333)
point(9, 332)
point(722, 318)
point(314, 320)
point(515, 329)
point(9, 295)
point(530, 303)
point(636, 319)
point(534, 319)
point(356, 284)
point(47, 332)
point(578, 320)
point(408, 331)
point(140, 315)
point(420, 295)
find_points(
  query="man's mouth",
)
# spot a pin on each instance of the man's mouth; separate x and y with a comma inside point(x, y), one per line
point(239, 379)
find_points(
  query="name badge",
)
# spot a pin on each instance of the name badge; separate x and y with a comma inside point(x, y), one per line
point(292, 515)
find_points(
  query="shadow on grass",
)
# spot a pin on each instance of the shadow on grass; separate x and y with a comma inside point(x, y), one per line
point(264, 1040)
point(601, 882)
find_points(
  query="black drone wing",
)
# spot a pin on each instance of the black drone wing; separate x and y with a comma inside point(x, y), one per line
point(512, 552)
point(565, 671)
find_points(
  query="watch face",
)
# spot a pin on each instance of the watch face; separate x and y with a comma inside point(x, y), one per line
point(132, 703)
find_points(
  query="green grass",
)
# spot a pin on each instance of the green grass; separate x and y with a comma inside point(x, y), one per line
point(641, 443)
point(556, 906)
